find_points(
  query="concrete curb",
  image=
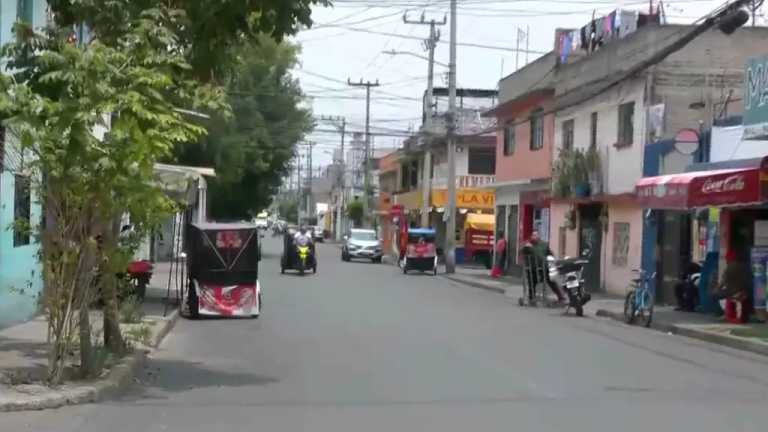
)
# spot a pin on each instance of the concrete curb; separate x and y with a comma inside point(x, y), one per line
point(474, 284)
point(162, 332)
point(119, 378)
point(693, 333)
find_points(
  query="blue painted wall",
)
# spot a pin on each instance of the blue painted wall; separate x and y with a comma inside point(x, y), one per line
point(20, 278)
point(651, 167)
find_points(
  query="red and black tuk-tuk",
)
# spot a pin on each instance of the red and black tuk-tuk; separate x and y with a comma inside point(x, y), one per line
point(478, 238)
point(420, 251)
point(223, 265)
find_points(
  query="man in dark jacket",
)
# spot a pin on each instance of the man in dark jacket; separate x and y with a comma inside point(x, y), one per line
point(541, 251)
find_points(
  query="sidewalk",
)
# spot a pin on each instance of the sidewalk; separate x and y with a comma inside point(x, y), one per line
point(748, 337)
point(23, 356)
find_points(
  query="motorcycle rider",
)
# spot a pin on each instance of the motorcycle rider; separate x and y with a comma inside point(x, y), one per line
point(301, 238)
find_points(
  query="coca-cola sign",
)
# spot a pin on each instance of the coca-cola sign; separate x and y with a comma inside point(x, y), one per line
point(732, 183)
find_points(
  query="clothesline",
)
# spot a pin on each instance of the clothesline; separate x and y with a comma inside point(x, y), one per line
point(600, 31)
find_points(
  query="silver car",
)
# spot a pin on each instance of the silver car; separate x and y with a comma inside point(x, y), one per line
point(362, 243)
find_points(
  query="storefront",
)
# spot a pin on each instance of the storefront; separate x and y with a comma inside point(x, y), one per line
point(468, 201)
point(725, 209)
point(522, 206)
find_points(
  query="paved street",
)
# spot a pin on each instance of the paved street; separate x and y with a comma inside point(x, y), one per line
point(360, 347)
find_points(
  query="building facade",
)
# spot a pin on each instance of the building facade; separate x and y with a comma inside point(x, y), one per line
point(20, 270)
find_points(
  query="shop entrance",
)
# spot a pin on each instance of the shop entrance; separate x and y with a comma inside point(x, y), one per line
point(590, 243)
point(675, 252)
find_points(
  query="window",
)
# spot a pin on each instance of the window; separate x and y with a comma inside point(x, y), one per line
point(481, 161)
point(593, 130)
point(509, 138)
point(537, 129)
point(22, 208)
point(626, 124)
point(620, 244)
point(568, 134)
point(24, 11)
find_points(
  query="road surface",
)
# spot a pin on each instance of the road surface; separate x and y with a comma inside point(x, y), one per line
point(361, 347)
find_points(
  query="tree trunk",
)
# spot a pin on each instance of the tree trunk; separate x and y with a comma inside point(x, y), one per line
point(87, 364)
point(113, 338)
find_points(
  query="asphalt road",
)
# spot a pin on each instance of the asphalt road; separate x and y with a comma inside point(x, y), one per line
point(361, 347)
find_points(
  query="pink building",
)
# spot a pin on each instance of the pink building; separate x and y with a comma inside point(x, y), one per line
point(524, 146)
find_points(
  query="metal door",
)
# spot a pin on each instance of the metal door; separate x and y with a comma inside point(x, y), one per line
point(590, 244)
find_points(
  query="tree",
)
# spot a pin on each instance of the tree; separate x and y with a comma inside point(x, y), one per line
point(355, 212)
point(289, 210)
point(252, 151)
point(206, 31)
point(57, 96)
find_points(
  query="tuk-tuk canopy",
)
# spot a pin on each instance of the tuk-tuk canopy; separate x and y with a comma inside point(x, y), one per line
point(414, 234)
point(223, 253)
point(480, 222)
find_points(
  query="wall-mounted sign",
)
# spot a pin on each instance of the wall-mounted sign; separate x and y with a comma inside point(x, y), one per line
point(756, 98)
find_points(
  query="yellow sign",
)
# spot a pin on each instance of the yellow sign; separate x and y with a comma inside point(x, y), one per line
point(409, 200)
point(465, 198)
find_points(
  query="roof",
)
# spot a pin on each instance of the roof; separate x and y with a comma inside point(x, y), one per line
point(511, 104)
point(216, 226)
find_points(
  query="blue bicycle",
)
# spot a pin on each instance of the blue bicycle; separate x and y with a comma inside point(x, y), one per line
point(640, 299)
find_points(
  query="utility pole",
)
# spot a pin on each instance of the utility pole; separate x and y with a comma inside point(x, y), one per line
point(430, 44)
point(450, 208)
point(342, 178)
point(310, 210)
point(298, 188)
point(367, 174)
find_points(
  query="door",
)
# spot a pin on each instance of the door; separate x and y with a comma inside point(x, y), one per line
point(512, 242)
point(674, 245)
point(590, 244)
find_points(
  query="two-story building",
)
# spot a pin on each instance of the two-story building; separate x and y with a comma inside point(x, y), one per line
point(609, 108)
point(524, 146)
point(423, 175)
point(20, 270)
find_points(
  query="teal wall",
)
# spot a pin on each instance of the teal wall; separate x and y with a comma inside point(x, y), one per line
point(20, 279)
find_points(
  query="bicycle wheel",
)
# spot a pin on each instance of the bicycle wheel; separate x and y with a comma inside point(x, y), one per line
point(629, 307)
point(645, 309)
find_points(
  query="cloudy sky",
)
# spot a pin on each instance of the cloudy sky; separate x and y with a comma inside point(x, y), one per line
point(347, 41)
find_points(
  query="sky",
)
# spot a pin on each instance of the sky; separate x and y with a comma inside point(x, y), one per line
point(347, 42)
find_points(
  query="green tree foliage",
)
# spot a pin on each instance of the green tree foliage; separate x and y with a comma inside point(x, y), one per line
point(57, 96)
point(289, 210)
point(252, 151)
point(355, 212)
point(205, 30)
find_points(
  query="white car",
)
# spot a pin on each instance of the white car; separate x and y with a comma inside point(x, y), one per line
point(362, 243)
point(261, 223)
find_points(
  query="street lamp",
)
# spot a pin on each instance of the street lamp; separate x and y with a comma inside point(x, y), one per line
point(408, 53)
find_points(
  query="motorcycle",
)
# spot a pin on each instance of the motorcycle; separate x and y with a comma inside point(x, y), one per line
point(567, 273)
point(306, 260)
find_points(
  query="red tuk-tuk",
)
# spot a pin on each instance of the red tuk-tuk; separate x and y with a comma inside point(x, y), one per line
point(420, 251)
point(478, 238)
point(223, 264)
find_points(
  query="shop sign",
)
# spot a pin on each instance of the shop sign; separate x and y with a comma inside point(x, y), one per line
point(734, 183)
point(756, 98)
point(465, 198)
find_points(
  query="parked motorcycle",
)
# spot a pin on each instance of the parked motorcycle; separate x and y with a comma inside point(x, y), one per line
point(567, 273)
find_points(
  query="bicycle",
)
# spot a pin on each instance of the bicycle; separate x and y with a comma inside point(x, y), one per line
point(640, 299)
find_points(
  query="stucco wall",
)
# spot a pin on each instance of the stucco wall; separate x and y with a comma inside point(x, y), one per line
point(621, 167)
point(20, 277)
point(525, 163)
point(557, 219)
point(617, 278)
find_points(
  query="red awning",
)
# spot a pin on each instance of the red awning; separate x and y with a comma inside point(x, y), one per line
point(725, 187)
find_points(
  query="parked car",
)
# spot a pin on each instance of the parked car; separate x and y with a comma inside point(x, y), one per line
point(362, 243)
point(317, 233)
